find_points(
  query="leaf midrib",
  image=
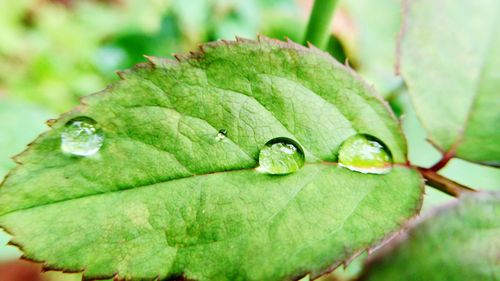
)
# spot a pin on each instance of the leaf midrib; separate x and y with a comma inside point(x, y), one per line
point(325, 163)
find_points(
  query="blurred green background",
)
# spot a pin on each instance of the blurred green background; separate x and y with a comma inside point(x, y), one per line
point(52, 52)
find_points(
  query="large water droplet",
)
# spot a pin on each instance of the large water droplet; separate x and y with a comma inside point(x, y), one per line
point(81, 137)
point(365, 154)
point(221, 135)
point(281, 156)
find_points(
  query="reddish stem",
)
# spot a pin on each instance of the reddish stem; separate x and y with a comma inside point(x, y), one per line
point(443, 184)
point(444, 160)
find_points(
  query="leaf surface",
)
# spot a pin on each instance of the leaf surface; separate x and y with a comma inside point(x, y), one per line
point(165, 197)
point(460, 242)
point(450, 62)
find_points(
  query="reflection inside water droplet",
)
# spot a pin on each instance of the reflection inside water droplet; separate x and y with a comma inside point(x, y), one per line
point(221, 135)
point(281, 156)
point(366, 154)
point(81, 137)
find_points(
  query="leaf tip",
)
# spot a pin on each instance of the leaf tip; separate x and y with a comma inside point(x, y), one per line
point(313, 47)
point(152, 59)
point(241, 39)
point(225, 42)
point(263, 38)
point(177, 57)
point(120, 74)
point(196, 54)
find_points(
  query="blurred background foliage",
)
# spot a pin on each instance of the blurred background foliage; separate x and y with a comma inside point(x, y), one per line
point(52, 52)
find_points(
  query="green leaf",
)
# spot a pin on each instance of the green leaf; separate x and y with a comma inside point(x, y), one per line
point(450, 62)
point(460, 242)
point(165, 196)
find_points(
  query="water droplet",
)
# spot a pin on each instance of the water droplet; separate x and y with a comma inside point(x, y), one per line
point(81, 137)
point(221, 135)
point(365, 154)
point(281, 156)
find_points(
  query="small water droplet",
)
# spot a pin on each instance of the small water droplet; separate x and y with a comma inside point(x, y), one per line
point(221, 135)
point(281, 156)
point(366, 154)
point(81, 137)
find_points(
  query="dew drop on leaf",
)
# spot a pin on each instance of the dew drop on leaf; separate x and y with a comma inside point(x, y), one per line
point(81, 137)
point(366, 154)
point(221, 135)
point(281, 156)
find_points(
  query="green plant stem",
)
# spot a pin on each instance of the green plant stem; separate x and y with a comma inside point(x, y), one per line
point(432, 178)
point(319, 22)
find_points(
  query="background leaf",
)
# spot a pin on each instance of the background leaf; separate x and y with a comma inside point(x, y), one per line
point(421, 153)
point(164, 198)
point(460, 242)
point(450, 58)
point(368, 30)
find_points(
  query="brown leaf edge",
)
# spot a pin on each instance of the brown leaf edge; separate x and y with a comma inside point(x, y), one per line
point(159, 62)
point(413, 225)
